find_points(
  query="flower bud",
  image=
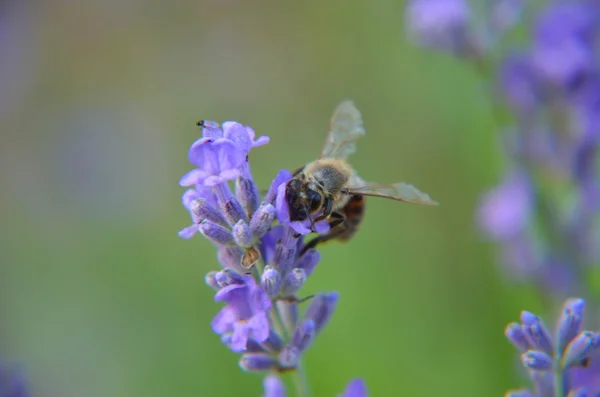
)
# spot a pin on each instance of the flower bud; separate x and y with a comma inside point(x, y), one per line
point(262, 220)
point(537, 360)
point(321, 309)
point(304, 334)
point(581, 347)
point(202, 210)
point(270, 281)
point(227, 277)
point(247, 194)
point(242, 235)
point(215, 233)
point(293, 282)
point(516, 336)
point(536, 333)
point(570, 322)
point(210, 280)
point(257, 362)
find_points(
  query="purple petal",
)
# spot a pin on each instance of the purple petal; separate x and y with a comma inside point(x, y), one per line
point(224, 320)
point(218, 158)
point(281, 205)
point(301, 227)
point(356, 388)
point(282, 177)
point(226, 294)
point(263, 140)
point(270, 242)
point(322, 226)
point(195, 176)
point(238, 134)
point(259, 324)
point(188, 232)
point(189, 196)
point(259, 299)
point(239, 339)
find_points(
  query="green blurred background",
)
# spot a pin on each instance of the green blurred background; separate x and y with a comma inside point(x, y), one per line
point(99, 296)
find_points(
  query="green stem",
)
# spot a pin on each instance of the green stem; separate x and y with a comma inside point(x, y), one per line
point(559, 386)
point(300, 382)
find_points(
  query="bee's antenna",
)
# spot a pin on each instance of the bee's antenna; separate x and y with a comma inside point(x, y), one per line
point(312, 223)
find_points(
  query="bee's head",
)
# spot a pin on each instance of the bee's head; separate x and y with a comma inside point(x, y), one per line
point(302, 200)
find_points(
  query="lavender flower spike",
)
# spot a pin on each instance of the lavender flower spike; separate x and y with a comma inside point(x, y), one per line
point(549, 366)
point(263, 266)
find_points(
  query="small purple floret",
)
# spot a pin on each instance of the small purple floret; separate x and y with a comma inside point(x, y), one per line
point(245, 315)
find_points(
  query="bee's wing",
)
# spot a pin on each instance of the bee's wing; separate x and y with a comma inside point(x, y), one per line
point(345, 128)
point(397, 191)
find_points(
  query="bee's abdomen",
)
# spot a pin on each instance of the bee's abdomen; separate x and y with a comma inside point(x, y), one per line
point(354, 211)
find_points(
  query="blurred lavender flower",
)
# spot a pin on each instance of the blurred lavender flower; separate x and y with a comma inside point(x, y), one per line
point(263, 266)
point(274, 388)
point(12, 382)
point(542, 215)
point(544, 212)
point(441, 24)
point(569, 360)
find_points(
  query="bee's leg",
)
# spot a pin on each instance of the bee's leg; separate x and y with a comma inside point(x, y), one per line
point(328, 207)
point(336, 220)
point(327, 211)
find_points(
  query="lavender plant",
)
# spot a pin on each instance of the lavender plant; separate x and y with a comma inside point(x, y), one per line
point(263, 265)
point(543, 213)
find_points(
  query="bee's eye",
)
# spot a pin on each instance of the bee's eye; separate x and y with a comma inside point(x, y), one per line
point(315, 200)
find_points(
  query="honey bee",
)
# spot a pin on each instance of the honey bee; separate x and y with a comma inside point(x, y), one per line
point(329, 188)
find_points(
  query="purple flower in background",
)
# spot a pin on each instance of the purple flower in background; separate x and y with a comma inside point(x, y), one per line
point(563, 42)
point(442, 24)
point(543, 215)
point(505, 211)
point(519, 83)
point(245, 315)
point(12, 382)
